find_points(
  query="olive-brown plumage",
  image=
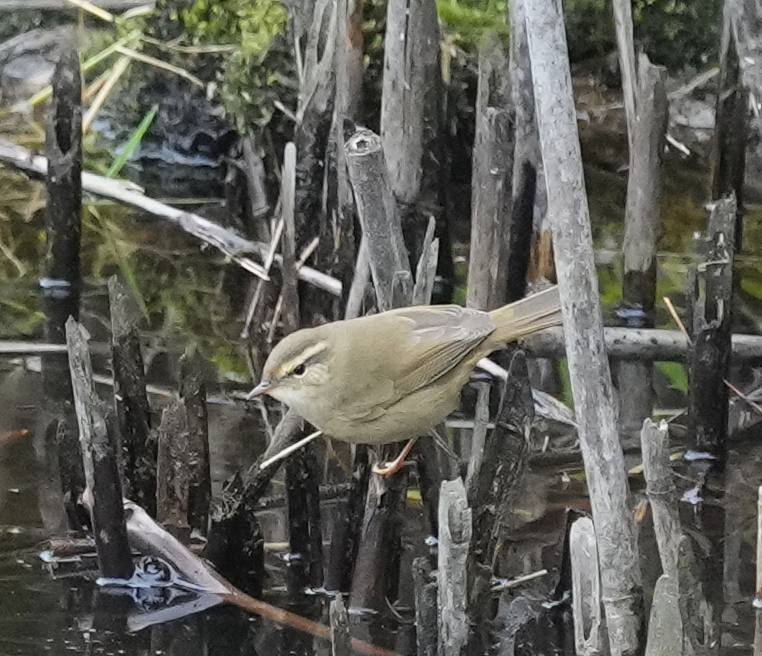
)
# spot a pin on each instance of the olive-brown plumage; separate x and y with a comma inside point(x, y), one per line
point(394, 375)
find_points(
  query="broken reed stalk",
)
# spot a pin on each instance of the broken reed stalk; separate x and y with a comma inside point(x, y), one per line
point(491, 183)
point(315, 113)
point(425, 590)
point(340, 202)
point(345, 535)
point(63, 184)
point(627, 66)
point(732, 117)
point(454, 537)
point(503, 463)
point(662, 494)
point(654, 345)
point(341, 640)
point(530, 242)
point(665, 626)
point(712, 321)
point(411, 47)
point(641, 224)
point(380, 220)
point(61, 283)
point(236, 543)
point(138, 447)
point(759, 543)
point(193, 397)
point(587, 604)
point(104, 488)
point(580, 300)
point(173, 471)
point(305, 535)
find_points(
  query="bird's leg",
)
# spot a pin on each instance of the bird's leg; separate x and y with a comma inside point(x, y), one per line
point(395, 465)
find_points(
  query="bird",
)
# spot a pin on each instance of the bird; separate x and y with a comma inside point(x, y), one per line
point(395, 375)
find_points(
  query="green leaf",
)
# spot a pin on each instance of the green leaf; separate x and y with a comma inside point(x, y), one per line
point(132, 143)
point(676, 374)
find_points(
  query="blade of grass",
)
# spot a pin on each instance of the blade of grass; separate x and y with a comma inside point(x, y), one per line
point(134, 54)
point(132, 144)
point(95, 86)
point(91, 8)
point(116, 72)
point(120, 256)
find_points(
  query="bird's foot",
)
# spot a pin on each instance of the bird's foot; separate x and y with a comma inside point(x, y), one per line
point(389, 468)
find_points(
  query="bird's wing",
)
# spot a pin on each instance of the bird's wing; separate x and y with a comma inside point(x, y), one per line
point(412, 348)
point(435, 340)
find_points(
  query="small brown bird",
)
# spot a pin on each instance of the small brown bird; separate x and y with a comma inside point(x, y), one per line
point(393, 376)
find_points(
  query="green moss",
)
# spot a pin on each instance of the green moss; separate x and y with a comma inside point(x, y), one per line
point(467, 21)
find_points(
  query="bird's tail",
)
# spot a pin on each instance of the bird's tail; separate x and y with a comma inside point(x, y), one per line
point(530, 314)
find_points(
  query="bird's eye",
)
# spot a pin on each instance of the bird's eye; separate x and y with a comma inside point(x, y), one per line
point(299, 370)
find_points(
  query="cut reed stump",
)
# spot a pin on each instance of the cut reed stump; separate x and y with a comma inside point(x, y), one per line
point(588, 364)
point(495, 473)
point(62, 279)
point(530, 250)
point(380, 220)
point(104, 488)
point(63, 185)
point(193, 398)
point(732, 112)
point(587, 604)
point(173, 471)
point(138, 446)
point(426, 627)
point(491, 182)
point(641, 224)
point(454, 537)
point(712, 323)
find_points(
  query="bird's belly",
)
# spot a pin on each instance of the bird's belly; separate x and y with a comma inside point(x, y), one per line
point(412, 416)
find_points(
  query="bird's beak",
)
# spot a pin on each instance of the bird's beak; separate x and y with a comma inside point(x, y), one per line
point(263, 388)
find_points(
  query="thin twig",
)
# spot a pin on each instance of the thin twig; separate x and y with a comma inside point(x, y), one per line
point(730, 386)
point(309, 249)
point(290, 449)
point(94, 10)
point(147, 59)
point(506, 585)
point(116, 72)
point(676, 318)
